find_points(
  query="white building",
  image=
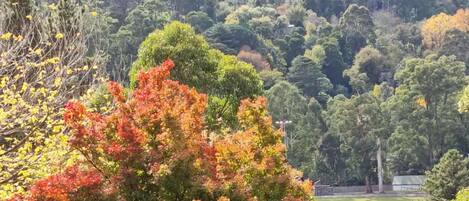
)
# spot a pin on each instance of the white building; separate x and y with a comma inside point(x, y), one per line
point(408, 183)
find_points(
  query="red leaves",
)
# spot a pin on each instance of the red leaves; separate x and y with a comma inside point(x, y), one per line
point(155, 76)
point(72, 184)
point(154, 144)
point(74, 112)
point(117, 91)
point(159, 128)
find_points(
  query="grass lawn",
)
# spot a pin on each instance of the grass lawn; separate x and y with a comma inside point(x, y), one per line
point(371, 199)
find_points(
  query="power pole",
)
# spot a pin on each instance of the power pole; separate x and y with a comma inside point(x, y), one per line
point(283, 124)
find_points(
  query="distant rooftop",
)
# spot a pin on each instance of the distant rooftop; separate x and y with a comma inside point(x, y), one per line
point(409, 180)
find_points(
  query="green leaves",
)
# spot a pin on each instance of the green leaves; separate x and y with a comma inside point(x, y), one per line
point(307, 76)
point(226, 79)
point(447, 177)
point(189, 51)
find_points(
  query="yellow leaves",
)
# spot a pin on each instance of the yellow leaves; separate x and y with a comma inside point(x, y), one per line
point(3, 115)
point(37, 51)
point(24, 86)
point(53, 60)
point(34, 110)
point(4, 81)
point(58, 81)
point(421, 102)
point(18, 38)
point(31, 94)
point(10, 101)
point(434, 29)
point(94, 13)
point(198, 164)
point(57, 129)
point(6, 36)
point(59, 36)
point(52, 6)
point(376, 91)
point(163, 170)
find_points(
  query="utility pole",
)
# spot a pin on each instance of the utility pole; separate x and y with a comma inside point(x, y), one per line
point(282, 124)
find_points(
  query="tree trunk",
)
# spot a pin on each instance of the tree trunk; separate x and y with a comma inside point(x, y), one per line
point(380, 167)
point(368, 187)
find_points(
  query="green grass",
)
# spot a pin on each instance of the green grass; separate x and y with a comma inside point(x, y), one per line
point(372, 199)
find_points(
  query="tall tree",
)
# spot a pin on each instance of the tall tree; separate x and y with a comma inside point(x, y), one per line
point(307, 76)
point(360, 122)
point(333, 63)
point(357, 30)
point(424, 108)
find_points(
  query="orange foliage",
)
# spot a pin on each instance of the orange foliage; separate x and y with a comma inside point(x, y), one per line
point(421, 102)
point(154, 146)
point(253, 161)
point(434, 29)
point(461, 19)
point(73, 184)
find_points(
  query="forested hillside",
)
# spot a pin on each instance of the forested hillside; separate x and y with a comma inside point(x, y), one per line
point(204, 90)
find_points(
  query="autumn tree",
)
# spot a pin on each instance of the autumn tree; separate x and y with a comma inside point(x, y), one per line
point(435, 28)
point(252, 161)
point(45, 62)
point(154, 146)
